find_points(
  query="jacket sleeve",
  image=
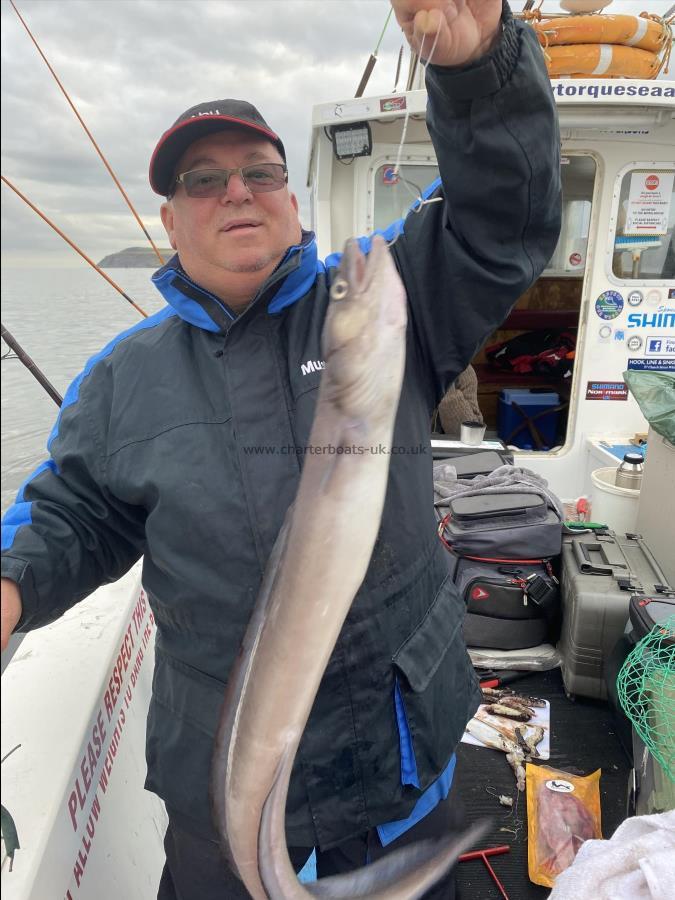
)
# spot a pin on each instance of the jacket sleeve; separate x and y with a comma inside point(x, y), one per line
point(66, 534)
point(465, 261)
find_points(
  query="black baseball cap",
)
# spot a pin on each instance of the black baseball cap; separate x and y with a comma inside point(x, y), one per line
point(196, 123)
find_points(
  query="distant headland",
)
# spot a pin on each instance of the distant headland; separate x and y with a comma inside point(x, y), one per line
point(135, 258)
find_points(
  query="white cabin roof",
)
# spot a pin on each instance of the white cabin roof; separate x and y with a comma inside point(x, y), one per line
point(613, 106)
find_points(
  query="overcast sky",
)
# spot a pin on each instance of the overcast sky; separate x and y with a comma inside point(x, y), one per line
point(132, 66)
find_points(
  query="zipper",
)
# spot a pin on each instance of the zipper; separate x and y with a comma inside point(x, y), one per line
point(546, 562)
point(282, 270)
point(181, 273)
point(531, 562)
point(522, 509)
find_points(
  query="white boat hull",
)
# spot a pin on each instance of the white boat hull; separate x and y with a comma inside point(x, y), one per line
point(75, 697)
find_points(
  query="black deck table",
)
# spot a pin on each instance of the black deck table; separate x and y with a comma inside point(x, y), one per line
point(583, 739)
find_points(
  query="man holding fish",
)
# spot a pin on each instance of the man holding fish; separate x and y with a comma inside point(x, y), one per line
point(171, 473)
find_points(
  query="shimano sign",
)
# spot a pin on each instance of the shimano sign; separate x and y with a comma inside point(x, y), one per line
point(651, 320)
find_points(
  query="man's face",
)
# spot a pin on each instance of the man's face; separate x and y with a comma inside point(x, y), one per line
point(239, 232)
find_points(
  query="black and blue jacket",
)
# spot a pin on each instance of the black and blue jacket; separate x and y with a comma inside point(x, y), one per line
point(176, 443)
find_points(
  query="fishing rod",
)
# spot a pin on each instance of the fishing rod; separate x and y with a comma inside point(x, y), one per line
point(398, 68)
point(75, 247)
point(32, 366)
point(370, 65)
point(90, 136)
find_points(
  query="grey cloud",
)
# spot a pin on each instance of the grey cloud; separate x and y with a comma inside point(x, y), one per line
point(132, 66)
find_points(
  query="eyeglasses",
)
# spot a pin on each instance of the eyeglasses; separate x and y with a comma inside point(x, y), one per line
point(258, 178)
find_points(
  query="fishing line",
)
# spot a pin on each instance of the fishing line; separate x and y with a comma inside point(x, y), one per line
point(36, 372)
point(91, 138)
point(407, 111)
point(74, 246)
point(493, 792)
point(419, 201)
point(517, 824)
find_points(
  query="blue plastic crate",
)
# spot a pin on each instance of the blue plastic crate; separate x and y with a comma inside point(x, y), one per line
point(533, 404)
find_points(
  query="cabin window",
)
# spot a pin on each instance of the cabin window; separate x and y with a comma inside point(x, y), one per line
point(394, 193)
point(643, 241)
point(525, 371)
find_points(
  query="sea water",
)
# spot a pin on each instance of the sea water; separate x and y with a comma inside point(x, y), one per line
point(61, 317)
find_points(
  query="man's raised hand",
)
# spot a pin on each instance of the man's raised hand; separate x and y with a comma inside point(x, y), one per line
point(466, 29)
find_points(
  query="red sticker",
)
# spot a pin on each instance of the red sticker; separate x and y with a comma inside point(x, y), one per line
point(575, 259)
point(652, 182)
point(392, 104)
point(479, 594)
point(390, 175)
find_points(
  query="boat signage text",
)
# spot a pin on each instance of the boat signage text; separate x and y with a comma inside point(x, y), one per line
point(606, 390)
point(564, 89)
point(92, 774)
point(651, 320)
point(652, 364)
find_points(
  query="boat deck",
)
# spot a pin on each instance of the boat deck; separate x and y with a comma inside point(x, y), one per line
point(583, 739)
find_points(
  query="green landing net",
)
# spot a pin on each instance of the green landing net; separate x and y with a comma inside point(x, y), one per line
point(646, 687)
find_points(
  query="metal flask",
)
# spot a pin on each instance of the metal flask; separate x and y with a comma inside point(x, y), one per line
point(629, 472)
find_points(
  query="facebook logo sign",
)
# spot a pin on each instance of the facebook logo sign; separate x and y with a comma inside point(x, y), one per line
point(660, 345)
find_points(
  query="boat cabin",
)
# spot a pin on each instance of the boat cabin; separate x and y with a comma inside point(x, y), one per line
point(605, 302)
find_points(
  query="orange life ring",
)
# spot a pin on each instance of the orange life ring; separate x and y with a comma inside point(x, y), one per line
point(633, 31)
point(598, 60)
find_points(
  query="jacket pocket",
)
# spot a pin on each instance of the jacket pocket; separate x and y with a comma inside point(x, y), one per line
point(193, 696)
point(182, 721)
point(435, 698)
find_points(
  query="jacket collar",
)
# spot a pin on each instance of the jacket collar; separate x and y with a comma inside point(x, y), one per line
point(290, 281)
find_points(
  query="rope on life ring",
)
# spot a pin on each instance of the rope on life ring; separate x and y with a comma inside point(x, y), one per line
point(643, 32)
point(603, 46)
